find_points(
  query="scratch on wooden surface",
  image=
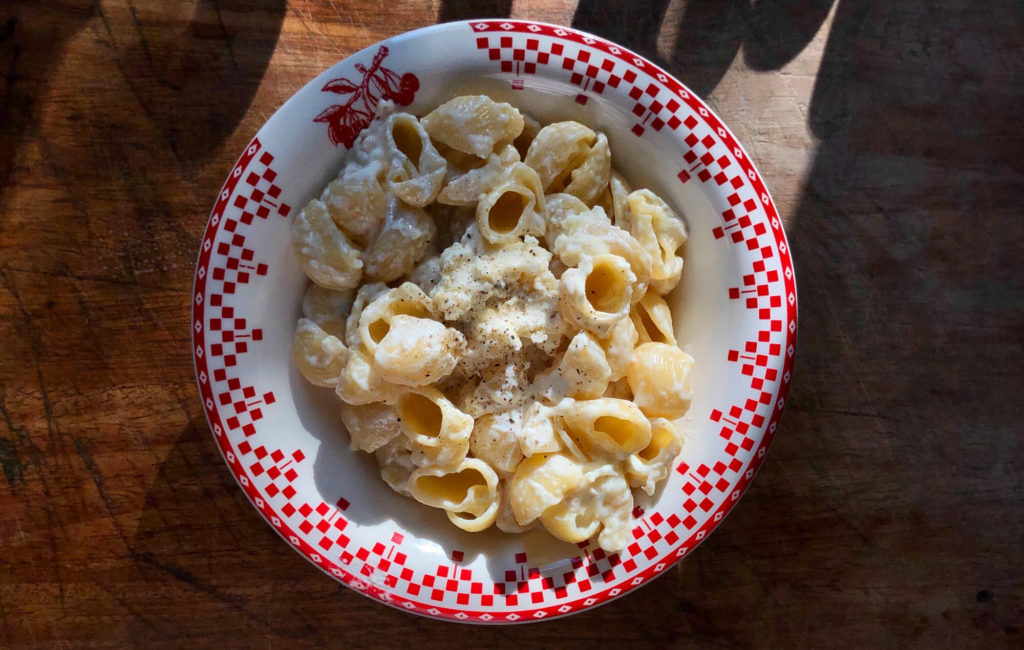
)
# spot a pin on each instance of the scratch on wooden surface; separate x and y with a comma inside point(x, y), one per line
point(67, 274)
point(146, 51)
point(856, 414)
point(99, 482)
point(143, 305)
point(13, 467)
point(308, 21)
point(98, 9)
point(35, 347)
point(365, 34)
point(18, 536)
point(129, 80)
point(801, 105)
point(228, 38)
point(813, 50)
point(126, 605)
point(855, 367)
point(188, 578)
point(198, 478)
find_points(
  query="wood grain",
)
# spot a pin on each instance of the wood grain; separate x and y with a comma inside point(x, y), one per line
point(888, 511)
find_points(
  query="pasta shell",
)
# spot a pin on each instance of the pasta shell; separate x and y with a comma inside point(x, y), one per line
point(649, 466)
point(659, 377)
point(415, 168)
point(319, 356)
point(474, 124)
point(325, 252)
point(370, 426)
point(468, 492)
point(435, 426)
point(607, 427)
point(597, 294)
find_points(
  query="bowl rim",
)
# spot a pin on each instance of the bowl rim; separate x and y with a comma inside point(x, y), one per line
point(768, 429)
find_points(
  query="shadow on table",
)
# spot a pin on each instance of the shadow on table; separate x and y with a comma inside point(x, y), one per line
point(452, 10)
point(908, 237)
point(698, 42)
point(900, 448)
point(192, 69)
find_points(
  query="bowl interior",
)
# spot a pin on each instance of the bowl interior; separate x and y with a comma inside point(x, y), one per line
point(330, 502)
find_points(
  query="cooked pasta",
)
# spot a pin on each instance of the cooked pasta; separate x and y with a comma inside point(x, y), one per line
point(659, 376)
point(488, 303)
point(329, 309)
point(326, 254)
point(652, 320)
point(400, 242)
point(515, 207)
point(467, 492)
point(319, 356)
point(596, 294)
point(415, 168)
point(370, 426)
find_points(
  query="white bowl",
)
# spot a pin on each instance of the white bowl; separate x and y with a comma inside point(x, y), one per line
point(735, 311)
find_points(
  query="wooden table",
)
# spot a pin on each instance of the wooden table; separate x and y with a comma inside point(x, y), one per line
point(889, 509)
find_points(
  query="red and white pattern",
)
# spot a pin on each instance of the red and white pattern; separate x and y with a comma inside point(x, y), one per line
point(345, 121)
point(389, 566)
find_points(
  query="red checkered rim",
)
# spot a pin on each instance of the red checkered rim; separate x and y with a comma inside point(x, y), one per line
point(224, 263)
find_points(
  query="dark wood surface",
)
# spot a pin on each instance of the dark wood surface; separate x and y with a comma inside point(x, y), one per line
point(889, 511)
